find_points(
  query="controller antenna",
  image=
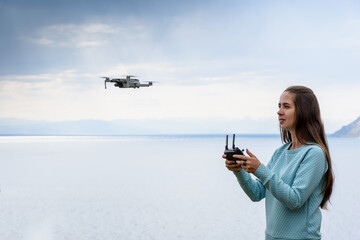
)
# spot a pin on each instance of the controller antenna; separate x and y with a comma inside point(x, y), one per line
point(233, 141)
point(226, 146)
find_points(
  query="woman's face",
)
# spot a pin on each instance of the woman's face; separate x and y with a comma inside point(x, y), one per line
point(286, 111)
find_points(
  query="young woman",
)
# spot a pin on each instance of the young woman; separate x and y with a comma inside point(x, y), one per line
point(298, 180)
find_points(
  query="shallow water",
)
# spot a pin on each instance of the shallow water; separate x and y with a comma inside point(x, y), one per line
point(148, 187)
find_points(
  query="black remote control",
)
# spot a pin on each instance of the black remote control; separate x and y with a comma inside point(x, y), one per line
point(231, 152)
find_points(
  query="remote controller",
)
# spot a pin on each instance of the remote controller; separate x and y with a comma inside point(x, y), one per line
point(231, 152)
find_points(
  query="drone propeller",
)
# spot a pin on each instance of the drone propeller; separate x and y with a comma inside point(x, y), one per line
point(129, 76)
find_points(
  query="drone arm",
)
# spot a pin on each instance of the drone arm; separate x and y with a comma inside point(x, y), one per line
point(145, 84)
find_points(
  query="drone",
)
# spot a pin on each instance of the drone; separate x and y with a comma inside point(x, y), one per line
point(128, 82)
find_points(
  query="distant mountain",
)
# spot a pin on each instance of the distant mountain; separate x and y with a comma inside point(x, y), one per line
point(351, 130)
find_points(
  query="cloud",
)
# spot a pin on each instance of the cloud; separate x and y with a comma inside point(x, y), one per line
point(89, 43)
point(83, 35)
point(43, 41)
point(24, 87)
point(25, 78)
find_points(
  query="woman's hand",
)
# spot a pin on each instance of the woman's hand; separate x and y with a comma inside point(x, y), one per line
point(248, 163)
point(232, 165)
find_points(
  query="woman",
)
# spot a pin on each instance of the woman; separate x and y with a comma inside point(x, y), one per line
point(298, 180)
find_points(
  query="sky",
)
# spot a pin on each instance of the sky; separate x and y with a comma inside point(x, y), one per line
point(213, 61)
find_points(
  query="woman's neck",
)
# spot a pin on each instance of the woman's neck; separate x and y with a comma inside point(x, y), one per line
point(294, 142)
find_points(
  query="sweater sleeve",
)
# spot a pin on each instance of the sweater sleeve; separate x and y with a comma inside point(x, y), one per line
point(253, 188)
point(307, 178)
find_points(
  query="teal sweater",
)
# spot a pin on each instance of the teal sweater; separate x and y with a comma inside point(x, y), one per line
point(291, 184)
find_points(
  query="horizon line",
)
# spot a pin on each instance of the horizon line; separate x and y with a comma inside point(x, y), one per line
point(152, 134)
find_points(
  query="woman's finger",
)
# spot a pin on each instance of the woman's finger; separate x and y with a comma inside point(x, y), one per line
point(242, 157)
point(233, 167)
point(230, 162)
point(250, 153)
point(242, 162)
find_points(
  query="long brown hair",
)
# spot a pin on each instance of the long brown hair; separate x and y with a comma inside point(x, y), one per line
point(310, 128)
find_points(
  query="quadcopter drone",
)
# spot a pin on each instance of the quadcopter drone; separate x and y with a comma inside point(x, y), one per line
point(128, 82)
